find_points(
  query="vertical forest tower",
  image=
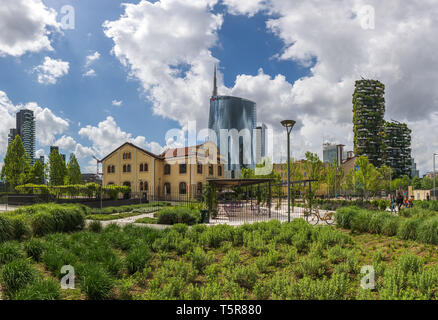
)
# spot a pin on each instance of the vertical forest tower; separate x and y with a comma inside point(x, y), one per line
point(368, 122)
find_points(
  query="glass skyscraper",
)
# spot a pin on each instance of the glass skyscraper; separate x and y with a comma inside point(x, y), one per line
point(238, 117)
point(26, 130)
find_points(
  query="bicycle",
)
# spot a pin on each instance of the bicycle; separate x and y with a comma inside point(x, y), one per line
point(313, 217)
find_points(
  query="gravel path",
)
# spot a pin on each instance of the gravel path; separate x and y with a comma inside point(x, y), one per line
point(131, 220)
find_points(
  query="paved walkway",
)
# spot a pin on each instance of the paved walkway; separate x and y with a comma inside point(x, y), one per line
point(131, 220)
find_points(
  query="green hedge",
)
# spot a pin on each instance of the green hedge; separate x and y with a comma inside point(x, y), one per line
point(377, 204)
point(176, 215)
point(41, 220)
point(415, 224)
point(430, 205)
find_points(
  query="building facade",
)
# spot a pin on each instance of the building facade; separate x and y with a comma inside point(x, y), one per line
point(397, 154)
point(25, 128)
point(368, 122)
point(175, 174)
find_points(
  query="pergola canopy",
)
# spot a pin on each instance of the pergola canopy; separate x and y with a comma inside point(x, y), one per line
point(228, 183)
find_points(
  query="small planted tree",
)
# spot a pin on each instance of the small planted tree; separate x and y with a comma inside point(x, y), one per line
point(58, 170)
point(16, 168)
point(73, 171)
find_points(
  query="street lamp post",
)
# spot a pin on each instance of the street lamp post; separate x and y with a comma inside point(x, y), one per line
point(434, 177)
point(288, 124)
point(101, 181)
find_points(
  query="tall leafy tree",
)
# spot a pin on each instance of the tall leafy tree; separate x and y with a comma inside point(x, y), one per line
point(58, 171)
point(73, 171)
point(313, 170)
point(367, 177)
point(416, 183)
point(16, 168)
point(386, 175)
point(334, 178)
point(426, 183)
point(38, 173)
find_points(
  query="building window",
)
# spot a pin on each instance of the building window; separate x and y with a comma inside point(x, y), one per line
point(141, 185)
point(124, 168)
point(141, 167)
point(182, 188)
point(199, 188)
point(146, 167)
point(200, 168)
point(109, 169)
point(182, 168)
point(167, 169)
point(219, 171)
point(210, 169)
point(113, 169)
point(144, 186)
point(167, 188)
point(126, 155)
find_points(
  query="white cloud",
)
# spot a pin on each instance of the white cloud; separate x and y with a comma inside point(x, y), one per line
point(247, 7)
point(47, 126)
point(90, 73)
point(26, 27)
point(92, 58)
point(70, 145)
point(175, 67)
point(108, 136)
point(51, 70)
point(117, 103)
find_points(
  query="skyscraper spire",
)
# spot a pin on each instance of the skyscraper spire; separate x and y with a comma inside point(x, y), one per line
point(214, 83)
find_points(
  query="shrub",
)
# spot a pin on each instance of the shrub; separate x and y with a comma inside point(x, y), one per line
point(337, 254)
point(428, 231)
point(343, 216)
point(9, 251)
point(408, 228)
point(334, 288)
point(96, 283)
point(20, 229)
point(55, 258)
point(199, 258)
point(95, 226)
point(361, 221)
point(34, 248)
point(6, 231)
point(214, 236)
point(41, 289)
point(17, 274)
point(176, 215)
point(245, 276)
point(137, 259)
point(410, 262)
point(311, 266)
point(390, 226)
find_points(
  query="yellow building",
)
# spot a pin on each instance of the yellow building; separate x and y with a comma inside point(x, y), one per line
point(174, 174)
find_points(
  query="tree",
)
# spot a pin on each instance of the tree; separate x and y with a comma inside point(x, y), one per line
point(333, 178)
point(58, 170)
point(426, 183)
point(16, 168)
point(386, 174)
point(416, 183)
point(313, 170)
point(73, 171)
point(37, 173)
point(367, 177)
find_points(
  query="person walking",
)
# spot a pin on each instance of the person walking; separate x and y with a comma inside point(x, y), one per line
point(428, 197)
point(399, 201)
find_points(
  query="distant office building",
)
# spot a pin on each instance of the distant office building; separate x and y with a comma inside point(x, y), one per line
point(333, 153)
point(91, 178)
point(260, 143)
point(42, 160)
point(239, 117)
point(57, 150)
point(25, 128)
point(329, 152)
point(414, 171)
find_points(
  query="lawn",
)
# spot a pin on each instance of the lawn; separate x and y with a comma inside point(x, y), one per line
point(266, 260)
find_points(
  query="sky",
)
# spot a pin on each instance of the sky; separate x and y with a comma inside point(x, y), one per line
point(100, 73)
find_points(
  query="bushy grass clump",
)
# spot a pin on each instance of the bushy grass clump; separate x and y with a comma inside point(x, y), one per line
point(34, 248)
point(17, 274)
point(10, 251)
point(176, 215)
point(40, 289)
point(137, 259)
point(96, 283)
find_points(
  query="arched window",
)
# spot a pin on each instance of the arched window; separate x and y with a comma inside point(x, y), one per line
point(167, 169)
point(141, 167)
point(210, 169)
point(110, 183)
point(199, 188)
point(200, 168)
point(182, 188)
point(145, 186)
point(141, 185)
point(182, 168)
point(167, 188)
point(124, 168)
point(129, 168)
point(219, 171)
point(113, 169)
point(146, 167)
point(109, 169)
